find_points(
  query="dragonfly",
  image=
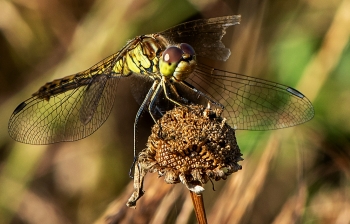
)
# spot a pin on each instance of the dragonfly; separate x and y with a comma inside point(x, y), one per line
point(164, 72)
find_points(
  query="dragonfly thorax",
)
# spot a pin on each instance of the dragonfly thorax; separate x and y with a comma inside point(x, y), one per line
point(177, 62)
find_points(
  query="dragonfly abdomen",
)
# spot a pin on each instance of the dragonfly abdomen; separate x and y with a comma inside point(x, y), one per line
point(57, 86)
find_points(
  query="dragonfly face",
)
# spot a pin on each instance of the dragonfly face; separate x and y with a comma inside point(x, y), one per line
point(178, 62)
point(164, 72)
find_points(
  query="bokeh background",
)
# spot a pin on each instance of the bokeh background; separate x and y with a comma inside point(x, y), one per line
point(295, 175)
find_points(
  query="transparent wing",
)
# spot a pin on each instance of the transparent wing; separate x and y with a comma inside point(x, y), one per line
point(73, 111)
point(204, 35)
point(251, 103)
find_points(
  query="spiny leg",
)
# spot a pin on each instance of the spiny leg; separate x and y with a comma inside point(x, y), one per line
point(167, 94)
point(212, 101)
point(150, 106)
point(154, 89)
point(192, 88)
point(152, 101)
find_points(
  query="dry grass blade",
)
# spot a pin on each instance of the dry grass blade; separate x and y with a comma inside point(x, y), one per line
point(186, 211)
point(292, 210)
point(245, 194)
point(118, 212)
point(335, 41)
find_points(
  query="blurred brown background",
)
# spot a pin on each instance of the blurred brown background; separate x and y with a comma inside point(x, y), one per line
point(294, 175)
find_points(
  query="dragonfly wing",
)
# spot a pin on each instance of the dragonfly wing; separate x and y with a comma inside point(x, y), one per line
point(91, 98)
point(139, 86)
point(251, 103)
point(204, 36)
point(66, 116)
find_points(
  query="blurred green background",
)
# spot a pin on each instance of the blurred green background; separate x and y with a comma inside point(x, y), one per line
point(295, 175)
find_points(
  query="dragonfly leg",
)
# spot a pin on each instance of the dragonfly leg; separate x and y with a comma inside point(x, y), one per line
point(152, 101)
point(174, 91)
point(150, 106)
point(159, 111)
point(167, 94)
point(150, 95)
point(212, 101)
point(189, 86)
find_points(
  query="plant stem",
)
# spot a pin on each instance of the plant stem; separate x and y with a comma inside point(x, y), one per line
point(197, 200)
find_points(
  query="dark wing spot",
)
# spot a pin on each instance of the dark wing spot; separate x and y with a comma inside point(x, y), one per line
point(19, 108)
point(295, 92)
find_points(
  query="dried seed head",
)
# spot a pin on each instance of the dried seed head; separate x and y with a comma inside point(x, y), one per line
point(192, 145)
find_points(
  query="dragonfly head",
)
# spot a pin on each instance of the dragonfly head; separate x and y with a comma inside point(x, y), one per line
point(178, 62)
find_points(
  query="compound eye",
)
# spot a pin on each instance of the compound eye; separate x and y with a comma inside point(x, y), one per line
point(172, 54)
point(188, 49)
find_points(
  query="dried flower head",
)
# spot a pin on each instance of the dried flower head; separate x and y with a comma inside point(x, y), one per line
point(190, 145)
